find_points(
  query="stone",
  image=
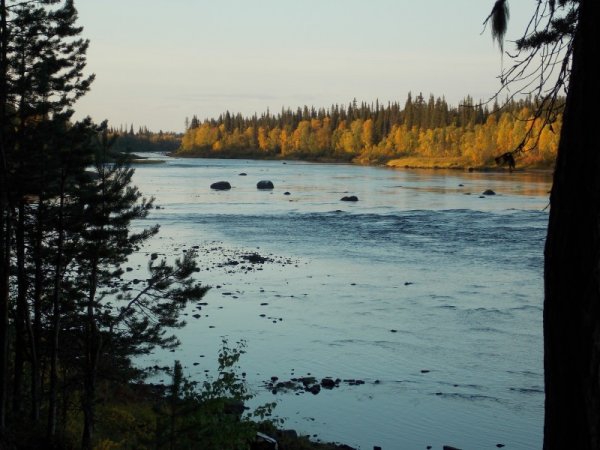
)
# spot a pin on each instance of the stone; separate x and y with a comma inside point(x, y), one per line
point(349, 198)
point(306, 381)
point(327, 383)
point(221, 186)
point(488, 192)
point(265, 185)
point(254, 258)
point(314, 389)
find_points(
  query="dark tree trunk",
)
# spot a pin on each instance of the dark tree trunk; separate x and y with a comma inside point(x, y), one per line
point(572, 257)
point(91, 363)
point(22, 310)
point(36, 376)
point(4, 219)
point(89, 394)
point(55, 326)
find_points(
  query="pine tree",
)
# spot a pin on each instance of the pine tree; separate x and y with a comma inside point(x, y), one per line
point(41, 76)
point(571, 280)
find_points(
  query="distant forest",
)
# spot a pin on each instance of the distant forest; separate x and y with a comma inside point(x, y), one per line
point(144, 140)
point(471, 134)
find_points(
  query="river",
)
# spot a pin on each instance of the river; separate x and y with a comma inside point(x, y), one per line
point(424, 289)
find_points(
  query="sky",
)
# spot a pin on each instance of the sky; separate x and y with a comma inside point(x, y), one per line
point(159, 61)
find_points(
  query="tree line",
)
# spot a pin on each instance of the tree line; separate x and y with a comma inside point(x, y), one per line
point(471, 134)
point(144, 140)
point(73, 310)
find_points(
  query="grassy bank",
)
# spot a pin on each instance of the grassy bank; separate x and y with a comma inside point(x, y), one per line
point(455, 163)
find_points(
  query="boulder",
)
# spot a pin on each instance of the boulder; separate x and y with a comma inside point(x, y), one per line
point(349, 198)
point(327, 383)
point(314, 389)
point(265, 185)
point(221, 186)
point(488, 192)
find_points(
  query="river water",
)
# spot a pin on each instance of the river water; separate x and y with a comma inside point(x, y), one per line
point(425, 290)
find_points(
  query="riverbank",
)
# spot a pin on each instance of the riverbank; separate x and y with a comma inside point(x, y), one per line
point(457, 163)
point(408, 162)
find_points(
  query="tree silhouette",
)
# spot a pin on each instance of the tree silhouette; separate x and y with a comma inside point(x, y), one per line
point(563, 36)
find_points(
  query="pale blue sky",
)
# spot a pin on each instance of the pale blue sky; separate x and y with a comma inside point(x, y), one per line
point(160, 61)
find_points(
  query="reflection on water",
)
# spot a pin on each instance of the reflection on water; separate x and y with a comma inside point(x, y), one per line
point(430, 296)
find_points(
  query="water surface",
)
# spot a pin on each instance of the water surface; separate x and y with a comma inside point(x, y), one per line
point(423, 289)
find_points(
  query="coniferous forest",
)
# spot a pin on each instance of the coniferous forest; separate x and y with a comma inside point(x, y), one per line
point(70, 321)
point(422, 132)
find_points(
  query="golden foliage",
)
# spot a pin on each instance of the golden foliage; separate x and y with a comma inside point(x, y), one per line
point(475, 145)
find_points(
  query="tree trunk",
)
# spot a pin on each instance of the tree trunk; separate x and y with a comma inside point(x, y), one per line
point(55, 327)
point(91, 363)
point(36, 340)
point(22, 310)
point(4, 219)
point(572, 257)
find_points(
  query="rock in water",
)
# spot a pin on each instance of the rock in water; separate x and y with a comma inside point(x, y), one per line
point(221, 186)
point(327, 383)
point(264, 185)
point(349, 198)
point(488, 192)
point(314, 389)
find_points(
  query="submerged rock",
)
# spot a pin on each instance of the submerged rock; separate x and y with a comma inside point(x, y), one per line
point(349, 198)
point(488, 192)
point(221, 186)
